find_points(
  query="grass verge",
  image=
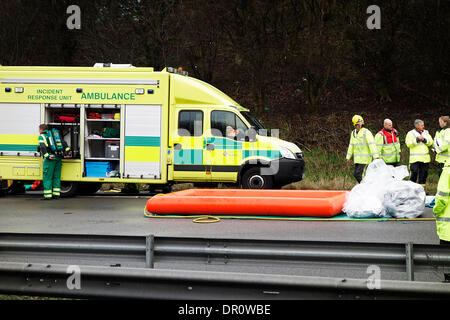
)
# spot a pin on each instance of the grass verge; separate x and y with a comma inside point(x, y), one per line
point(329, 171)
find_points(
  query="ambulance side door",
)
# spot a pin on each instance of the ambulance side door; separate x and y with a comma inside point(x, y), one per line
point(188, 146)
point(225, 151)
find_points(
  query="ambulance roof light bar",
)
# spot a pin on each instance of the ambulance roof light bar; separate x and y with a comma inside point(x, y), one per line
point(113, 65)
point(177, 71)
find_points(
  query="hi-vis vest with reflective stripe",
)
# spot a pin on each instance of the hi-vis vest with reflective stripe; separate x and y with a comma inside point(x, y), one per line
point(442, 147)
point(45, 145)
point(442, 204)
point(389, 152)
point(362, 147)
point(418, 151)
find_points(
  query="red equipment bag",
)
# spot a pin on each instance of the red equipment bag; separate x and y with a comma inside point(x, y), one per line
point(94, 115)
point(69, 118)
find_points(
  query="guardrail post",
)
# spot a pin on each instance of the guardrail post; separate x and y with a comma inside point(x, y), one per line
point(149, 251)
point(409, 261)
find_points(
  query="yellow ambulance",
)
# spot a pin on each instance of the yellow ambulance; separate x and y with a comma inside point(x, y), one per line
point(127, 124)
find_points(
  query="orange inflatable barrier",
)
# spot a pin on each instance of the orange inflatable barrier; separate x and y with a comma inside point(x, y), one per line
point(292, 203)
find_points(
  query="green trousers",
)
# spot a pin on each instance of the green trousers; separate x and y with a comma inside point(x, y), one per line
point(52, 178)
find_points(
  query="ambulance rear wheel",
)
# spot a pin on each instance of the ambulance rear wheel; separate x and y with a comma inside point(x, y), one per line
point(253, 179)
point(69, 188)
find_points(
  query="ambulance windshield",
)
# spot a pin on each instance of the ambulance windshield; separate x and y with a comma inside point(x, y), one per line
point(252, 120)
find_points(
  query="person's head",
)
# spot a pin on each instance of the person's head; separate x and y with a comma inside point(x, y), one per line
point(230, 131)
point(387, 124)
point(42, 128)
point(357, 121)
point(444, 121)
point(419, 125)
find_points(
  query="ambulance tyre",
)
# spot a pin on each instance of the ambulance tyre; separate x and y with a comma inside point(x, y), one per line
point(253, 179)
point(69, 188)
point(87, 188)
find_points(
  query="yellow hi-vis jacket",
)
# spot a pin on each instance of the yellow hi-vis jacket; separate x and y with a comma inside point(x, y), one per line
point(442, 145)
point(389, 151)
point(418, 151)
point(442, 204)
point(362, 147)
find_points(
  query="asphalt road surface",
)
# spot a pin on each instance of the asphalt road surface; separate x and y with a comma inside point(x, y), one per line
point(124, 215)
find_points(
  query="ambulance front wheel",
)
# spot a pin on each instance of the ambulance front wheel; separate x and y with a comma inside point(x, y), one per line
point(69, 188)
point(253, 179)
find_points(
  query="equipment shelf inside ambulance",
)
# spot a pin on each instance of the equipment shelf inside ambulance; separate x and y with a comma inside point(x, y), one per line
point(102, 140)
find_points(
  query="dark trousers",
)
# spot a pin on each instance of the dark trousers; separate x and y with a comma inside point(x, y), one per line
point(444, 243)
point(359, 171)
point(441, 168)
point(419, 172)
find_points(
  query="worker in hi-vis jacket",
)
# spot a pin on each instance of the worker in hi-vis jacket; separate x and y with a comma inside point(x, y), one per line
point(362, 148)
point(52, 163)
point(442, 142)
point(388, 144)
point(419, 141)
point(442, 207)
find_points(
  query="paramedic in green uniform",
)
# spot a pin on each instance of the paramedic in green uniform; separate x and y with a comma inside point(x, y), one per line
point(52, 165)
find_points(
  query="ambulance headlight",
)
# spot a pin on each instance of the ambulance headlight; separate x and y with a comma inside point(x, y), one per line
point(285, 153)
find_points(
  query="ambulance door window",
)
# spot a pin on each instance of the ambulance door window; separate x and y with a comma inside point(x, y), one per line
point(188, 157)
point(190, 123)
point(220, 120)
point(241, 129)
point(223, 121)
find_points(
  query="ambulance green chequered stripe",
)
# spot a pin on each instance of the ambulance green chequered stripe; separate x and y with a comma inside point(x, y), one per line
point(136, 141)
point(18, 147)
point(223, 143)
point(188, 156)
point(272, 154)
point(195, 156)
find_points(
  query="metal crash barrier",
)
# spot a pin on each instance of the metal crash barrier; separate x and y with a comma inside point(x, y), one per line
point(166, 267)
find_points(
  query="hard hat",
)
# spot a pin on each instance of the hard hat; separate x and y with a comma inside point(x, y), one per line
point(357, 119)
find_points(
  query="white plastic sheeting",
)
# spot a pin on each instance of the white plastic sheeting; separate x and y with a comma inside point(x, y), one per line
point(404, 199)
point(383, 193)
